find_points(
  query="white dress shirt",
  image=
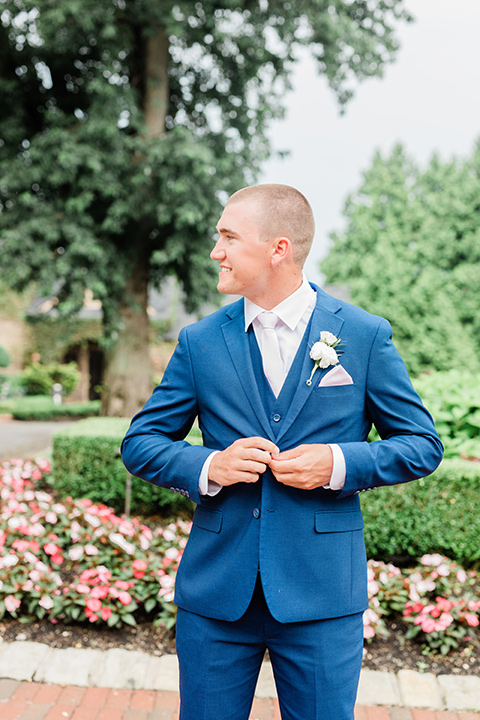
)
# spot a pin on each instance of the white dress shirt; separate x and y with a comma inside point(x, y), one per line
point(294, 314)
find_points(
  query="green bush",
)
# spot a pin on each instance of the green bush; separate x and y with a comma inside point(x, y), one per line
point(435, 514)
point(453, 398)
point(87, 463)
point(11, 386)
point(4, 358)
point(39, 379)
point(41, 407)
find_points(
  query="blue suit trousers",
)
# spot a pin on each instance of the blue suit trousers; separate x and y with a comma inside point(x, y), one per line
point(316, 664)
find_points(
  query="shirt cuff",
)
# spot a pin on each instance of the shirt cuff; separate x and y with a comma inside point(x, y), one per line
point(339, 470)
point(206, 486)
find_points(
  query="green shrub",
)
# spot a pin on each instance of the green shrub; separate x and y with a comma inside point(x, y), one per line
point(4, 358)
point(87, 463)
point(11, 386)
point(39, 379)
point(41, 407)
point(453, 398)
point(439, 513)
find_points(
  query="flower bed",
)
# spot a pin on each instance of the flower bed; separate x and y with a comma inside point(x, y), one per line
point(74, 561)
point(71, 560)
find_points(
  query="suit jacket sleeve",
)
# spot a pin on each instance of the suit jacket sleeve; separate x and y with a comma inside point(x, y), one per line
point(154, 448)
point(409, 447)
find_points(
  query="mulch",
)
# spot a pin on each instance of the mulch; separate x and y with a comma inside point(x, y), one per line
point(388, 655)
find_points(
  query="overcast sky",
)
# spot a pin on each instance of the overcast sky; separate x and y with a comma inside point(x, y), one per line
point(429, 99)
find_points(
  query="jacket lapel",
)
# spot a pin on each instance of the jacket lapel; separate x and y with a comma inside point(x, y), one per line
point(238, 347)
point(324, 317)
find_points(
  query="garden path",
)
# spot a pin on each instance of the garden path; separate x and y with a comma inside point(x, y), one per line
point(23, 438)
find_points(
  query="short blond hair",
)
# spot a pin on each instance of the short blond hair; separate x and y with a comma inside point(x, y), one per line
point(284, 212)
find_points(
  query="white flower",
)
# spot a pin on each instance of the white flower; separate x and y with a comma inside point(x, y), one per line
point(171, 553)
point(75, 552)
point(328, 337)
point(119, 540)
point(46, 602)
point(323, 352)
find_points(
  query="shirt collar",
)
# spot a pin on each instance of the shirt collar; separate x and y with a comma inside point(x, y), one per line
point(290, 310)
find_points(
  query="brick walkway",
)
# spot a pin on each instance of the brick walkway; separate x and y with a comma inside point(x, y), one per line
point(36, 701)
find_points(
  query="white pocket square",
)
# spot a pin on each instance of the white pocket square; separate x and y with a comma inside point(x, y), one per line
point(337, 376)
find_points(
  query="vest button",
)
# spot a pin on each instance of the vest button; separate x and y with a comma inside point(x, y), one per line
point(277, 417)
point(256, 513)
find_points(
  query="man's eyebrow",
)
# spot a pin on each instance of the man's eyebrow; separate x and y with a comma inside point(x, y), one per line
point(226, 231)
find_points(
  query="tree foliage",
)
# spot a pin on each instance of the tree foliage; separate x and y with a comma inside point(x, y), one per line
point(124, 122)
point(411, 252)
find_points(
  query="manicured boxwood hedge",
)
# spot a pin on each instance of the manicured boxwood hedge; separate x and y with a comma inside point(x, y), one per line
point(87, 463)
point(42, 407)
point(440, 513)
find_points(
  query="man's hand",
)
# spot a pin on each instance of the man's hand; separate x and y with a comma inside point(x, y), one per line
point(243, 461)
point(305, 467)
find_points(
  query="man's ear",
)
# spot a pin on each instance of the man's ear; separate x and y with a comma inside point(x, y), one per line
point(280, 250)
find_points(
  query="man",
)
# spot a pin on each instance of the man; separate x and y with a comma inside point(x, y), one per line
point(276, 557)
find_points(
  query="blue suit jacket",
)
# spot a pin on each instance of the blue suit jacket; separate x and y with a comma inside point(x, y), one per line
point(308, 544)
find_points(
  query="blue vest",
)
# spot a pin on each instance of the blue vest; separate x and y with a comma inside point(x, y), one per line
point(277, 408)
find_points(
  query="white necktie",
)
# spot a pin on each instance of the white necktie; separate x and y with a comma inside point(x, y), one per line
point(272, 360)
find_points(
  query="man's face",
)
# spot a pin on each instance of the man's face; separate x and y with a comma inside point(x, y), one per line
point(244, 255)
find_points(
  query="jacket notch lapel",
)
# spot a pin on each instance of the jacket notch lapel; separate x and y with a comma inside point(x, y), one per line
point(237, 343)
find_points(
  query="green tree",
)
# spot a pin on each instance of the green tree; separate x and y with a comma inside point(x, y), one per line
point(124, 122)
point(411, 252)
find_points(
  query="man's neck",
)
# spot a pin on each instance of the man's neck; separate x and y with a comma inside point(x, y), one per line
point(278, 294)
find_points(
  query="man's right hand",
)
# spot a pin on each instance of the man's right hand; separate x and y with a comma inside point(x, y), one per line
point(243, 461)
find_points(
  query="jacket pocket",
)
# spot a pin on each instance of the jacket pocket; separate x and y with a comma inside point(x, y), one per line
point(208, 519)
point(333, 521)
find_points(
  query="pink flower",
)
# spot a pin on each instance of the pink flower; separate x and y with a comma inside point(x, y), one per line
point(368, 632)
point(125, 598)
point(50, 548)
point(12, 603)
point(91, 550)
point(100, 591)
point(428, 624)
point(106, 612)
point(444, 621)
point(471, 619)
point(84, 589)
point(443, 604)
point(94, 605)
point(122, 584)
point(21, 545)
point(139, 565)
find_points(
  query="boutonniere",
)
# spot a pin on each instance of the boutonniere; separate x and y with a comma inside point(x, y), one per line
point(323, 352)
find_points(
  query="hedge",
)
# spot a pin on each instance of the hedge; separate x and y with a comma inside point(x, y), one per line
point(439, 513)
point(42, 407)
point(87, 463)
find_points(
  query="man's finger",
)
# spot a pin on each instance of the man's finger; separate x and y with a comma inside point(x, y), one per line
point(288, 454)
point(259, 443)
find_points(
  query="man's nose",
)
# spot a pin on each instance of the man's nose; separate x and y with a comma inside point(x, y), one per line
point(218, 253)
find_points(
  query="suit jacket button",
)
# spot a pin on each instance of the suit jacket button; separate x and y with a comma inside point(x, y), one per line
point(277, 417)
point(256, 513)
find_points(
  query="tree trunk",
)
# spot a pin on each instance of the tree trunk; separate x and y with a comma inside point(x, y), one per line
point(127, 377)
point(156, 83)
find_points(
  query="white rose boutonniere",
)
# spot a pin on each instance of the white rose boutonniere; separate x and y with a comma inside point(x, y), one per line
point(323, 352)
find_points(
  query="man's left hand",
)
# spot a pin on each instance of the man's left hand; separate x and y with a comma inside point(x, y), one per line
point(305, 467)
